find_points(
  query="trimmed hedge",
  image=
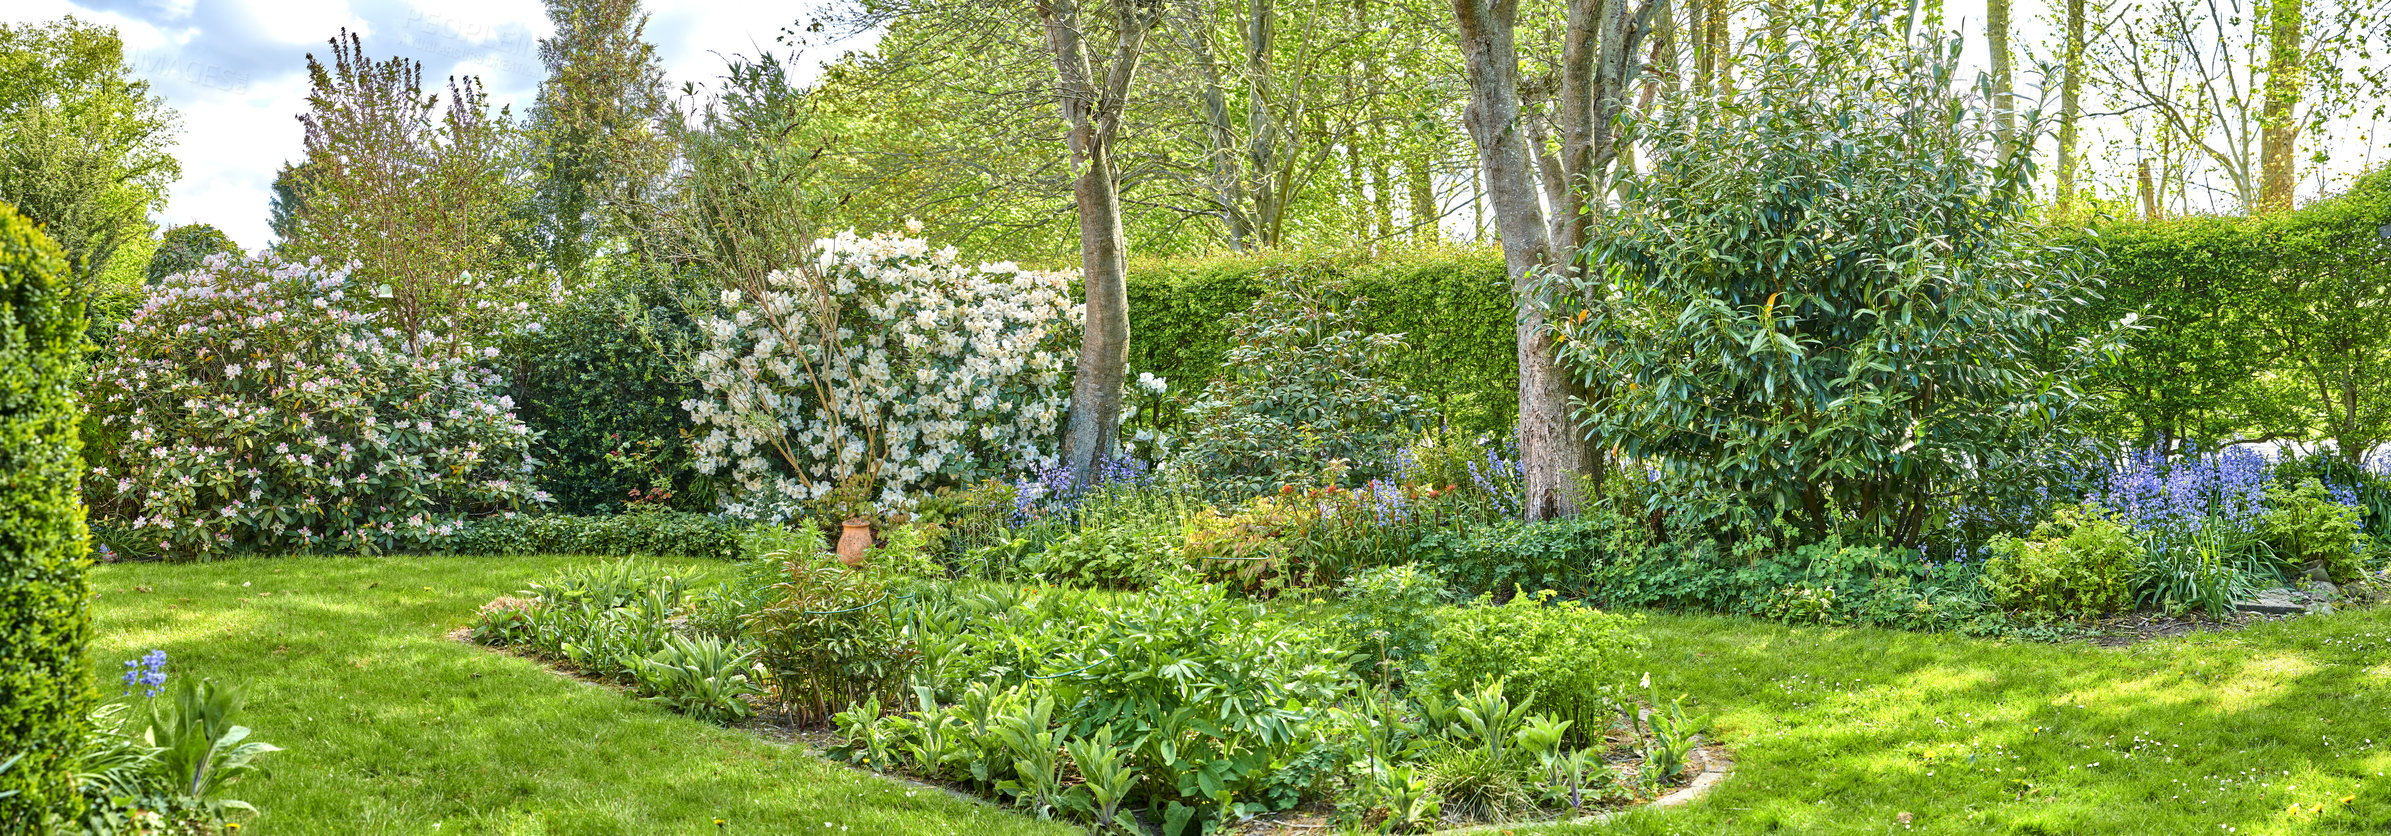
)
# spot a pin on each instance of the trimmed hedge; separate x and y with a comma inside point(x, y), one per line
point(1453, 307)
point(45, 683)
point(650, 533)
point(590, 384)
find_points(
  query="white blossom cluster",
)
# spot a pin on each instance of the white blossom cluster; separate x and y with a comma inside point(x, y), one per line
point(935, 374)
point(257, 404)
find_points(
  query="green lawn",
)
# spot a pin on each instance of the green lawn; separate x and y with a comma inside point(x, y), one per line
point(392, 728)
point(389, 727)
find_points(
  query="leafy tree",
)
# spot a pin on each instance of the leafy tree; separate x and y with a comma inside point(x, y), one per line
point(2324, 314)
point(1823, 306)
point(287, 207)
point(425, 205)
point(83, 146)
point(600, 124)
point(184, 247)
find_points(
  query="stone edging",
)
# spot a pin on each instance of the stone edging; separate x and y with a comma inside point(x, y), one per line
point(1716, 766)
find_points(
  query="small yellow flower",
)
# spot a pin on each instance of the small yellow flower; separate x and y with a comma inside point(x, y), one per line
point(2348, 798)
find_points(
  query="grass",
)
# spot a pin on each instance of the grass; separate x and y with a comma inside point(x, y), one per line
point(389, 727)
point(393, 728)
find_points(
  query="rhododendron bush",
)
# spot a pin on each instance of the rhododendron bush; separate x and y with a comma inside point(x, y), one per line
point(257, 404)
point(886, 362)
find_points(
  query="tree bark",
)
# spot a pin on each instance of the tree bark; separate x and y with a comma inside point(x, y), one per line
point(1094, 116)
point(1996, 36)
point(2071, 86)
point(1594, 73)
point(2278, 119)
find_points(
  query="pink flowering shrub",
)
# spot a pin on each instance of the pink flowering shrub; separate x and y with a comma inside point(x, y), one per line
point(256, 404)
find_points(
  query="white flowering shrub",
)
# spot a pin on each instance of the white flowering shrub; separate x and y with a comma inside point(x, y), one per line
point(888, 361)
point(253, 405)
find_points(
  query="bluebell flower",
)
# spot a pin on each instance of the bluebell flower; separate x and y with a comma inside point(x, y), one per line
point(148, 674)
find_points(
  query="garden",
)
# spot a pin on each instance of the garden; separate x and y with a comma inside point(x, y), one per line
point(1792, 455)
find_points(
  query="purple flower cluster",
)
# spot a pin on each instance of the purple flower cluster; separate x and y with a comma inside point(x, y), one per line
point(1051, 489)
point(2148, 489)
point(1499, 476)
point(146, 674)
point(1386, 502)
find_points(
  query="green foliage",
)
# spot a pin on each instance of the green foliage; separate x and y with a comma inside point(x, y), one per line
point(1453, 307)
point(1826, 303)
point(1565, 657)
point(2307, 526)
point(1110, 556)
point(83, 144)
point(829, 639)
point(599, 123)
point(2189, 375)
point(183, 248)
point(43, 593)
point(1303, 387)
point(200, 748)
point(2078, 563)
point(2214, 573)
point(1570, 555)
point(598, 384)
point(1391, 614)
point(703, 677)
point(651, 533)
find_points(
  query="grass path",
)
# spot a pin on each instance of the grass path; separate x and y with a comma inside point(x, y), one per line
point(394, 729)
point(390, 728)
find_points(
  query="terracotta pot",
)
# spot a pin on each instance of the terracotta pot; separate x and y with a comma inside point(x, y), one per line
point(854, 538)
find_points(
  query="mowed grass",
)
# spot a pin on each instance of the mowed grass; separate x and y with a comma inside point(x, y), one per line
point(392, 728)
point(389, 727)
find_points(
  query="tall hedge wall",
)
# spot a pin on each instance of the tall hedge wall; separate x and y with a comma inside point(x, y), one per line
point(45, 685)
point(1453, 307)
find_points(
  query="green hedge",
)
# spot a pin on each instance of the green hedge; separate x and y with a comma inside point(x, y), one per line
point(590, 383)
point(45, 684)
point(650, 533)
point(1453, 307)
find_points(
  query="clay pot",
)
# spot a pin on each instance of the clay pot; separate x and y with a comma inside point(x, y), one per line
point(854, 538)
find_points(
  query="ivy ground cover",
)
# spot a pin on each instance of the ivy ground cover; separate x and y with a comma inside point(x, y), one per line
point(390, 726)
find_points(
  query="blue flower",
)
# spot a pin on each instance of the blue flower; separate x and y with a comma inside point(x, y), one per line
point(147, 673)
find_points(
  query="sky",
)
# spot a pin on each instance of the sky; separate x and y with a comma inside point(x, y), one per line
point(235, 70)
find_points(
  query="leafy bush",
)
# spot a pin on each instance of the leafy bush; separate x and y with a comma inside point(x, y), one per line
point(186, 248)
point(2078, 563)
point(937, 374)
point(1828, 304)
point(43, 549)
point(829, 639)
point(1568, 555)
point(598, 386)
point(1106, 556)
point(262, 410)
point(2307, 526)
point(1565, 656)
point(1391, 614)
point(1304, 387)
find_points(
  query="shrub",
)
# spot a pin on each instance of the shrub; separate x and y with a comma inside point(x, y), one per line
point(186, 248)
point(1304, 387)
point(44, 627)
point(261, 410)
point(934, 374)
point(598, 387)
point(1391, 615)
point(2078, 563)
point(1829, 304)
point(2307, 526)
point(1566, 657)
point(828, 639)
point(703, 677)
point(1569, 555)
point(1116, 556)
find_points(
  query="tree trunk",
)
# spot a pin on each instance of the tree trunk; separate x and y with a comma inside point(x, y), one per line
point(1425, 217)
point(2279, 119)
point(2149, 190)
point(2071, 87)
point(1595, 70)
point(1996, 36)
point(1094, 116)
point(1228, 186)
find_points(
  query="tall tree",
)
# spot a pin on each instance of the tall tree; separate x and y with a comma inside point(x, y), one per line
point(286, 207)
point(2071, 88)
point(1996, 37)
point(1597, 64)
point(600, 126)
point(83, 146)
point(425, 205)
point(1093, 96)
point(2279, 132)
